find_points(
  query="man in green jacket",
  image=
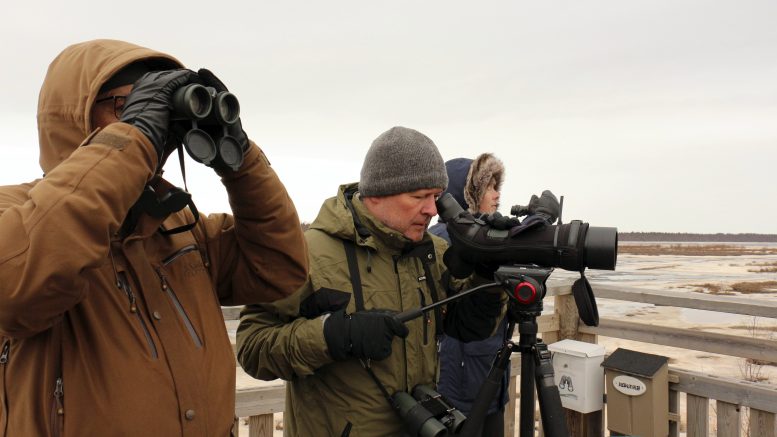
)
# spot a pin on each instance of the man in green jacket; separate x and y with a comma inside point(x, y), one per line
point(336, 340)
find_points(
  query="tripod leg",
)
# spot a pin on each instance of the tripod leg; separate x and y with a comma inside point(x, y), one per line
point(493, 382)
point(554, 420)
point(528, 337)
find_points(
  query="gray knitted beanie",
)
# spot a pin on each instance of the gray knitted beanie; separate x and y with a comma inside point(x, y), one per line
point(401, 160)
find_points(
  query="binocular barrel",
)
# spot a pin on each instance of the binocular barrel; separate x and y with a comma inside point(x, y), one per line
point(418, 420)
point(211, 113)
point(227, 108)
point(192, 101)
point(197, 102)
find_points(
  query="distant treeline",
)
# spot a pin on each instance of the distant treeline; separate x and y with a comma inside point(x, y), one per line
point(685, 237)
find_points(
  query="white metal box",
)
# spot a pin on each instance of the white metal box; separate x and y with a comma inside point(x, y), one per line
point(578, 374)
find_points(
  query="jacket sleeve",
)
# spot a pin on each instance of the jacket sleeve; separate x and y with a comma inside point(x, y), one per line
point(475, 316)
point(258, 253)
point(59, 230)
point(273, 342)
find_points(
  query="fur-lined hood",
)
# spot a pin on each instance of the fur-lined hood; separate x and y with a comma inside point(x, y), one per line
point(468, 179)
point(481, 171)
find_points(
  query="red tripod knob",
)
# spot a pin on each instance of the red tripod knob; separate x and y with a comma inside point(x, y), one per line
point(525, 293)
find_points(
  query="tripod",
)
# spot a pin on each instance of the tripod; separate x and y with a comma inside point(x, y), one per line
point(526, 287)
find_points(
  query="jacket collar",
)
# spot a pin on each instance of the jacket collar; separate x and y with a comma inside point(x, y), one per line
point(346, 217)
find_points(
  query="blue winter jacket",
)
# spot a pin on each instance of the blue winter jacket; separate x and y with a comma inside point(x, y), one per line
point(464, 366)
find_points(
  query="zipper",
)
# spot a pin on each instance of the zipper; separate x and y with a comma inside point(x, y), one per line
point(427, 319)
point(183, 251)
point(124, 285)
point(6, 352)
point(178, 306)
point(58, 409)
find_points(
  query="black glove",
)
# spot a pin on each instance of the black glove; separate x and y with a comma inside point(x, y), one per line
point(235, 130)
point(461, 268)
point(499, 221)
point(363, 334)
point(149, 104)
point(472, 317)
point(545, 206)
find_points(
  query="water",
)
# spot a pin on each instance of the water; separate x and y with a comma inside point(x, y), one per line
point(684, 274)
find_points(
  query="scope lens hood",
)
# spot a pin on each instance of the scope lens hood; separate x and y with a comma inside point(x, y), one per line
point(601, 247)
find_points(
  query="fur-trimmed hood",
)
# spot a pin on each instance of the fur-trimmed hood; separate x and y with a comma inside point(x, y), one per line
point(481, 171)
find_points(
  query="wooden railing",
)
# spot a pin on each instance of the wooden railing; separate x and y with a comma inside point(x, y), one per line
point(731, 397)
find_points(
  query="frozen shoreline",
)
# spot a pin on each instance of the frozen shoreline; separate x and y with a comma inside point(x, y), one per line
point(685, 274)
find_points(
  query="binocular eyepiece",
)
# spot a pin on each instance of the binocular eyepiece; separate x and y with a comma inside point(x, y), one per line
point(198, 102)
point(215, 111)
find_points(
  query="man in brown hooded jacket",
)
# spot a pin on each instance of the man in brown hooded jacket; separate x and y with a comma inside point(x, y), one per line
point(109, 325)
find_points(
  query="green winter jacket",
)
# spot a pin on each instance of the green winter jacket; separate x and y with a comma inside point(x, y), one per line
point(285, 339)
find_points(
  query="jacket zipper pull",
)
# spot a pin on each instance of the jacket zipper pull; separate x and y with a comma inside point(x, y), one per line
point(124, 286)
point(162, 278)
point(58, 393)
point(5, 353)
point(133, 305)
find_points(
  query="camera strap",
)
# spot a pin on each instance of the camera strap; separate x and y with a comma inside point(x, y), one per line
point(358, 297)
point(381, 387)
point(353, 270)
point(356, 283)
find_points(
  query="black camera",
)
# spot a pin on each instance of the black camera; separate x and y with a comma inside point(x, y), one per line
point(573, 246)
point(213, 112)
point(427, 413)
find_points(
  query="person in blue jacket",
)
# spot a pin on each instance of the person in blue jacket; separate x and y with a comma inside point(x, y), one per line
point(476, 185)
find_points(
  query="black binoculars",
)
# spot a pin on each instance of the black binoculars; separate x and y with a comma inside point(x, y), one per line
point(427, 413)
point(215, 111)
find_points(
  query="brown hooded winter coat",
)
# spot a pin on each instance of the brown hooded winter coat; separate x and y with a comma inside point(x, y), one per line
point(105, 335)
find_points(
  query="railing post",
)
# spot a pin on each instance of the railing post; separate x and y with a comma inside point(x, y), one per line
point(260, 426)
point(729, 423)
point(579, 424)
point(761, 423)
point(698, 415)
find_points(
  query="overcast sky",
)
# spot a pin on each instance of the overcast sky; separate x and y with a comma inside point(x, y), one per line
point(645, 115)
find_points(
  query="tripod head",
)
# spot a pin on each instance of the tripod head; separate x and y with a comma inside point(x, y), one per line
point(525, 286)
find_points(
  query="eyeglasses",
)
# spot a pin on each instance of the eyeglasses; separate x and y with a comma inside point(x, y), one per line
point(118, 104)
